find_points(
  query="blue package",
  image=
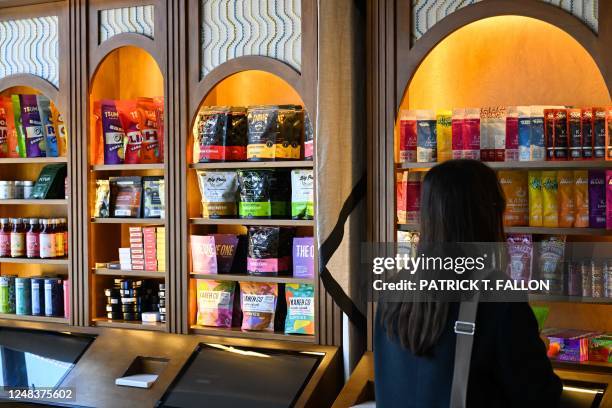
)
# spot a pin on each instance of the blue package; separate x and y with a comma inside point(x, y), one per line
point(44, 109)
point(54, 297)
point(38, 296)
point(524, 133)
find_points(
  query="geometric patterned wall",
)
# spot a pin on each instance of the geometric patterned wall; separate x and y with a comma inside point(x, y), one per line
point(235, 28)
point(426, 13)
point(30, 46)
point(136, 19)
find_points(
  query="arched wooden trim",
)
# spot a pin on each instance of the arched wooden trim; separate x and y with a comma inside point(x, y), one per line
point(527, 8)
point(33, 81)
point(240, 64)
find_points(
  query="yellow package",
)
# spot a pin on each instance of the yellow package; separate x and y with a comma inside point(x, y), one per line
point(444, 134)
point(550, 207)
point(566, 198)
point(535, 198)
point(60, 130)
point(581, 198)
point(514, 185)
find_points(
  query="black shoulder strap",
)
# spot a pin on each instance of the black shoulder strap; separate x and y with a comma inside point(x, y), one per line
point(465, 327)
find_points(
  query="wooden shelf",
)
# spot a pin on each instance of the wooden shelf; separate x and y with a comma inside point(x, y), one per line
point(569, 299)
point(251, 278)
point(247, 221)
point(34, 160)
point(152, 221)
point(132, 167)
point(42, 319)
point(122, 324)
point(533, 230)
point(37, 261)
point(253, 165)
point(589, 365)
point(259, 335)
point(120, 272)
point(568, 164)
point(34, 202)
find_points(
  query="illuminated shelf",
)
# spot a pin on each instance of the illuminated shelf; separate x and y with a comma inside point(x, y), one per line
point(247, 221)
point(533, 230)
point(153, 221)
point(120, 272)
point(122, 324)
point(134, 167)
point(36, 261)
point(566, 164)
point(34, 160)
point(251, 278)
point(34, 202)
point(569, 299)
point(42, 319)
point(236, 332)
point(583, 365)
point(253, 165)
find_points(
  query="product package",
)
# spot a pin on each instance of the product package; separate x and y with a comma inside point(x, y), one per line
point(550, 205)
point(520, 254)
point(581, 198)
point(568, 345)
point(6, 111)
point(597, 198)
point(587, 129)
point(280, 193)
point(258, 304)
point(471, 134)
point(50, 182)
point(213, 254)
point(221, 135)
point(302, 194)
point(269, 250)
point(4, 131)
point(535, 198)
point(555, 134)
point(600, 348)
point(599, 133)
point(309, 138)
point(492, 133)
point(126, 196)
point(46, 121)
point(444, 135)
point(400, 197)
point(524, 132)
point(512, 138)
point(514, 185)
point(566, 198)
point(609, 203)
point(153, 189)
point(552, 250)
point(407, 136)
point(60, 131)
point(291, 131)
point(151, 151)
point(255, 193)
point(215, 302)
point(537, 142)
point(274, 132)
point(609, 133)
point(102, 206)
point(426, 137)
point(20, 132)
point(457, 124)
point(130, 118)
point(112, 133)
point(300, 309)
point(303, 257)
point(574, 128)
point(32, 126)
point(218, 190)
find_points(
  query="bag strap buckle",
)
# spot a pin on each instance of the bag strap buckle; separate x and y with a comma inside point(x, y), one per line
point(467, 328)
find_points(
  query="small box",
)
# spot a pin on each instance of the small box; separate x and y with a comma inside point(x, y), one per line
point(568, 345)
point(600, 348)
point(150, 317)
point(135, 230)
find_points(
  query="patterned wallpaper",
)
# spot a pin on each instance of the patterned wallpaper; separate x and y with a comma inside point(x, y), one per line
point(30, 46)
point(136, 19)
point(426, 13)
point(235, 28)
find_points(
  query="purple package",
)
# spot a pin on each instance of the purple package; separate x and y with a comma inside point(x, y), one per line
point(303, 257)
point(568, 344)
point(113, 133)
point(520, 252)
point(226, 245)
point(597, 199)
point(32, 126)
point(203, 254)
point(609, 199)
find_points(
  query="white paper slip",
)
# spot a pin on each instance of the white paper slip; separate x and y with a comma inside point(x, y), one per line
point(137, 380)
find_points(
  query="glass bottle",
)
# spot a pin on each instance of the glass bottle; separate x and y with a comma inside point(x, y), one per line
point(59, 237)
point(33, 239)
point(64, 222)
point(47, 240)
point(18, 243)
point(5, 238)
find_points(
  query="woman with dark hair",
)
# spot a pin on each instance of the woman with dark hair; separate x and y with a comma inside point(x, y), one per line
point(414, 342)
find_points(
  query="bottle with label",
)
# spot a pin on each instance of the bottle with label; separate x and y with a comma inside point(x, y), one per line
point(5, 238)
point(64, 223)
point(59, 237)
point(47, 240)
point(32, 239)
point(18, 243)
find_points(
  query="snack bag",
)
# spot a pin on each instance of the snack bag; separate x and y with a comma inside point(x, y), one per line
point(159, 107)
point(211, 135)
point(302, 194)
point(130, 118)
point(32, 126)
point(609, 133)
point(552, 250)
point(4, 133)
point(550, 206)
point(303, 257)
point(413, 197)
point(574, 126)
point(444, 135)
point(6, 105)
point(520, 253)
point(566, 198)
point(126, 196)
point(471, 134)
point(492, 133)
point(153, 197)
point(524, 132)
point(537, 143)
point(258, 304)
point(407, 136)
point(150, 151)
point(512, 141)
point(255, 193)
point(280, 193)
point(427, 142)
point(514, 185)
point(269, 251)
point(597, 199)
point(112, 132)
point(587, 130)
point(60, 131)
point(218, 190)
point(102, 206)
point(485, 141)
point(215, 302)
point(457, 132)
point(263, 132)
point(555, 134)
point(291, 131)
point(21, 139)
point(581, 198)
point(401, 192)
point(535, 198)
point(44, 108)
point(308, 140)
point(599, 133)
point(203, 254)
point(300, 309)
point(609, 207)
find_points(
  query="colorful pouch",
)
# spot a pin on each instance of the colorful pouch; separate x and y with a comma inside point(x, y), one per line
point(300, 309)
point(44, 107)
point(32, 126)
point(258, 304)
point(215, 302)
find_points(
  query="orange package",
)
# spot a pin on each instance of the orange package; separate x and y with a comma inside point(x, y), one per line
point(148, 127)
point(10, 135)
point(60, 130)
point(98, 145)
point(159, 104)
point(131, 119)
point(581, 198)
point(566, 198)
point(514, 185)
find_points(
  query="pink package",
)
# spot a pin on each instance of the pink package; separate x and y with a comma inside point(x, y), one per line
point(471, 134)
point(66, 298)
point(457, 121)
point(203, 254)
point(512, 144)
point(609, 199)
point(408, 136)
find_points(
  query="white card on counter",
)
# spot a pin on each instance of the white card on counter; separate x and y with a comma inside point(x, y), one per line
point(137, 380)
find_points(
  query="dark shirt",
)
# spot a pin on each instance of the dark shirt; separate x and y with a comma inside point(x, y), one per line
point(509, 367)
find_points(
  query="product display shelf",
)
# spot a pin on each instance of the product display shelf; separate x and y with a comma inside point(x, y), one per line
point(252, 278)
point(127, 167)
point(249, 221)
point(254, 165)
point(34, 202)
point(537, 297)
point(237, 332)
point(36, 261)
point(122, 324)
point(534, 230)
point(601, 366)
point(521, 165)
point(28, 318)
point(130, 273)
point(34, 160)
point(139, 221)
